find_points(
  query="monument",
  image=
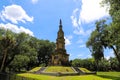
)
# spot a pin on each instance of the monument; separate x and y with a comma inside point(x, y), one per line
point(60, 57)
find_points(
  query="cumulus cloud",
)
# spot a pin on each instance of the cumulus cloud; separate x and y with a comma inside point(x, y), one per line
point(68, 40)
point(90, 11)
point(34, 1)
point(77, 24)
point(15, 13)
point(15, 28)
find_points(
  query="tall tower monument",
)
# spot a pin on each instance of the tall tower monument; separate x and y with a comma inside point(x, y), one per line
point(60, 57)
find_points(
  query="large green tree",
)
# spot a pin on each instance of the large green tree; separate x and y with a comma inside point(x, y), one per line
point(46, 48)
point(96, 41)
point(19, 48)
point(114, 64)
point(108, 34)
point(7, 45)
point(19, 63)
point(86, 63)
point(114, 26)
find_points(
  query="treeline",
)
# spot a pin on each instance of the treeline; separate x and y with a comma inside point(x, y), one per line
point(111, 64)
point(20, 51)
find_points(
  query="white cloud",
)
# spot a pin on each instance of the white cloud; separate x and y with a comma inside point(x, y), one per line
point(90, 11)
point(81, 46)
point(80, 31)
point(68, 40)
point(34, 1)
point(15, 13)
point(74, 17)
point(15, 28)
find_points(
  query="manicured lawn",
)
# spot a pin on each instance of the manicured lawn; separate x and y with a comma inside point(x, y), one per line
point(99, 76)
point(34, 69)
point(45, 77)
point(84, 70)
point(110, 75)
point(59, 69)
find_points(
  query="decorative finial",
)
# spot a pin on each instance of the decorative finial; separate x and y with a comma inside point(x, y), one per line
point(60, 22)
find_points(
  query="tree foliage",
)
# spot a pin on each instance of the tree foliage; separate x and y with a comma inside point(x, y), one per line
point(103, 65)
point(7, 45)
point(107, 34)
point(95, 42)
point(44, 52)
point(22, 51)
point(114, 26)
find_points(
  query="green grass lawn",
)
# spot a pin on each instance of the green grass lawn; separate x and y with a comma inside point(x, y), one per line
point(99, 76)
point(34, 69)
point(46, 77)
point(109, 75)
point(59, 69)
point(84, 70)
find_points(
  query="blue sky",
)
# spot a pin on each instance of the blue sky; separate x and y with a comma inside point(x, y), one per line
point(40, 18)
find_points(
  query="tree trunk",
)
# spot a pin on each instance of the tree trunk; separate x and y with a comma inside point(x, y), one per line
point(3, 61)
point(116, 54)
point(97, 65)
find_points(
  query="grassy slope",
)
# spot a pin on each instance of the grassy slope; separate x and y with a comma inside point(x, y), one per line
point(35, 69)
point(59, 69)
point(109, 75)
point(84, 70)
point(45, 77)
point(99, 76)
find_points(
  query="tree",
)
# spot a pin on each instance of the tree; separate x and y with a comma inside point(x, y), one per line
point(86, 63)
point(114, 26)
point(46, 48)
point(96, 41)
point(114, 64)
point(104, 65)
point(19, 62)
point(32, 51)
point(7, 44)
point(26, 50)
point(14, 46)
point(76, 62)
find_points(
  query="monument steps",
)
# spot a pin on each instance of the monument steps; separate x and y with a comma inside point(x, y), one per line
point(78, 70)
point(40, 70)
point(57, 72)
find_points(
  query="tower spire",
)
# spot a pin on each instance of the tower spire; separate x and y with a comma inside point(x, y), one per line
point(60, 22)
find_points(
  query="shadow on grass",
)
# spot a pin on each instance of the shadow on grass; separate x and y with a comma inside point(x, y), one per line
point(109, 77)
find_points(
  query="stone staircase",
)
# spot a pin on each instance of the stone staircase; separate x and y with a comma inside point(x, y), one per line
point(78, 70)
point(40, 70)
point(81, 72)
